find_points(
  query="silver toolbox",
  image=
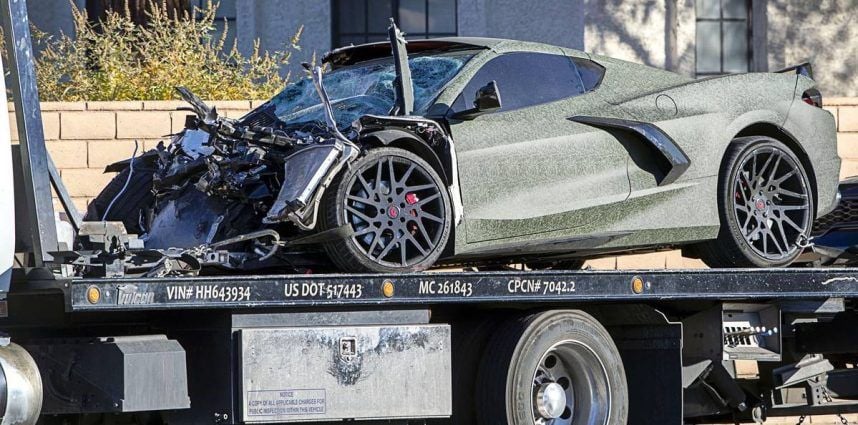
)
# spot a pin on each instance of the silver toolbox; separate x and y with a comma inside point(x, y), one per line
point(305, 374)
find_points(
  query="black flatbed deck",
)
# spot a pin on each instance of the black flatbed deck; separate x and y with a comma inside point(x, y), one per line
point(433, 288)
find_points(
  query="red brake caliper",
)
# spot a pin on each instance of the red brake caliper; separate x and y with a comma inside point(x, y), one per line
point(742, 187)
point(411, 199)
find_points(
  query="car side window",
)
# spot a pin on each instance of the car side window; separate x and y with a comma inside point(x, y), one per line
point(526, 79)
point(591, 73)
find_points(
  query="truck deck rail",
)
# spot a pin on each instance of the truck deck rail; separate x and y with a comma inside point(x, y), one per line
point(459, 288)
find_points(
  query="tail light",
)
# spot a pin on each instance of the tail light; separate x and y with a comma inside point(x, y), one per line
point(812, 97)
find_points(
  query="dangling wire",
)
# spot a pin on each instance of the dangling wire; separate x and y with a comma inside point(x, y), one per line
point(127, 182)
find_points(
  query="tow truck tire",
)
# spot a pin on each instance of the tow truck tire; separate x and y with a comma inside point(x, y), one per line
point(555, 367)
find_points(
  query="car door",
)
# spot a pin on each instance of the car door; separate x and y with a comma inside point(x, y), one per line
point(527, 169)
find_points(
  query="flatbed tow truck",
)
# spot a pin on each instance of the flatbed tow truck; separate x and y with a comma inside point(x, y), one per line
point(517, 347)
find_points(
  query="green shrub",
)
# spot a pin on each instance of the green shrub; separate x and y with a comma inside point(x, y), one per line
point(116, 59)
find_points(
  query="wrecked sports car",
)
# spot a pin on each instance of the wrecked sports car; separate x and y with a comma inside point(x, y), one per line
point(482, 152)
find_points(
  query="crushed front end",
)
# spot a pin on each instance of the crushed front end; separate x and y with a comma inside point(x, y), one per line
point(245, 194)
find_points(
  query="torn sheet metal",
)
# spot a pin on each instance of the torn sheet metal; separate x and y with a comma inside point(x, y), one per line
point(308, 170)
point(404, 88)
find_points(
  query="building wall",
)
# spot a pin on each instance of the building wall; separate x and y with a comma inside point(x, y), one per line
point(559, 22)
point(825, 32)
point(274, 22)
point(637, 31)
point(655, 32)
point(52, 16)
point(786, 32)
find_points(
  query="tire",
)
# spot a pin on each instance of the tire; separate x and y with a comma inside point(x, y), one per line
point(470, 335)
point(401, 224)
point(128, 206)
point(764, 220)
point(564, 350)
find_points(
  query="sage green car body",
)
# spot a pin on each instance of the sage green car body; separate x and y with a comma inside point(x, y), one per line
point(534, 182)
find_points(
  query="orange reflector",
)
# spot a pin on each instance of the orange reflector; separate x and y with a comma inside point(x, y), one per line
point(387, 289)
point(637, 285)
point(93, 295)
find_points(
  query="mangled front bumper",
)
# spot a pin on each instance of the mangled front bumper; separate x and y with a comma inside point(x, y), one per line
point(308, 172)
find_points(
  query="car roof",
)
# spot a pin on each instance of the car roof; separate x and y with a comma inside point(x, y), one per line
point(349, 55)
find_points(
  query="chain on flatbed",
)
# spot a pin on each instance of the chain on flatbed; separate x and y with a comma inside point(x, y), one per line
point(828, 399)
point(459, 287)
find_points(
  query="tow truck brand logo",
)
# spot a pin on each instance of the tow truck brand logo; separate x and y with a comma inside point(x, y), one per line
point(131, 295)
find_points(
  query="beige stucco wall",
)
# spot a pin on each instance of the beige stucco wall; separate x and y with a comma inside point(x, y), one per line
point(634, 31)
point(84, 137)
point(823, 31)
point(788, 32)
point(558, 22)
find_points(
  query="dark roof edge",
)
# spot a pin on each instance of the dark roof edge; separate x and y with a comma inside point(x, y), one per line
point(353, 54)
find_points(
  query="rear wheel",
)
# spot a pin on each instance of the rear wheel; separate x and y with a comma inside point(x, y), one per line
point(399, 210)
point(552, 368)
point(765, 204)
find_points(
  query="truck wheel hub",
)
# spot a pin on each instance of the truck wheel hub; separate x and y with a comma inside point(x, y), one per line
point(551, 400)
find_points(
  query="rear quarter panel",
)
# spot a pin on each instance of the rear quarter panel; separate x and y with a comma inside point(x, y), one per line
point(710, 113)
point(815, 129)
point(702, 117)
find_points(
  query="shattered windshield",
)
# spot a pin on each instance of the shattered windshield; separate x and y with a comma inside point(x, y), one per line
point(366, 88)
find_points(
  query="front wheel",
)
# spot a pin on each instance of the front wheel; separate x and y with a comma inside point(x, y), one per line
point(552, 368)
point(398, 208)
point(765, 204)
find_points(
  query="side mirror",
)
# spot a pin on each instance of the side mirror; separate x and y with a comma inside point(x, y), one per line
point(487, 100)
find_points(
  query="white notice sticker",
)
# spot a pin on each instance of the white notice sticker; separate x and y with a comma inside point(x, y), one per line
point(285, 402)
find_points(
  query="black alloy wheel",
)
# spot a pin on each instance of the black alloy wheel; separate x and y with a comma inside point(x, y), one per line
point(771, 203)
point(766, 207)
point(398, 208)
